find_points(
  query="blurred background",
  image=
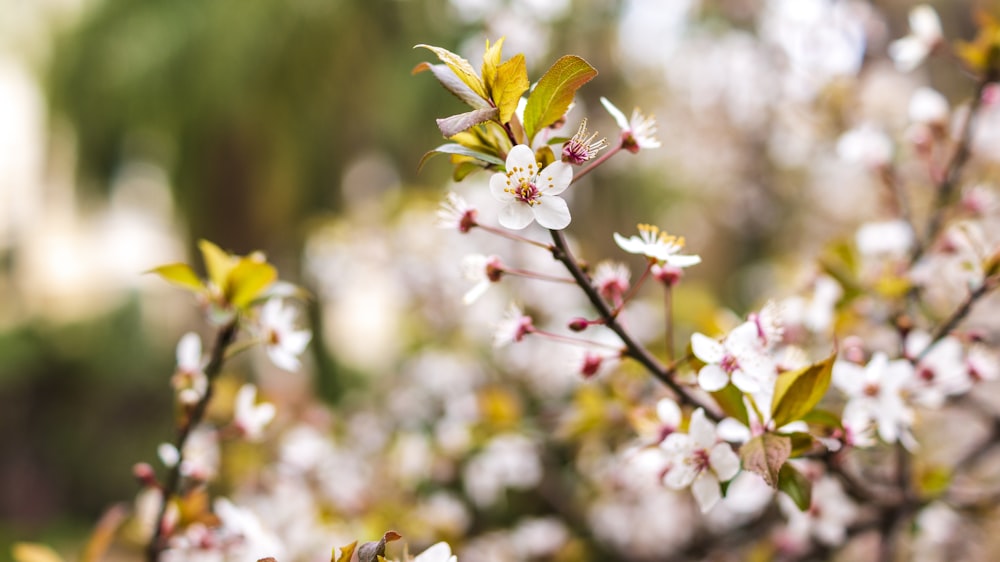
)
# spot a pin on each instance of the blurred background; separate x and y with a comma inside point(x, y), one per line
point(129, 130)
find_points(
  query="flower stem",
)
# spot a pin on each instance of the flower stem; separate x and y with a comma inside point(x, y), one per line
point(225, 337)
point(597, 162)
point(633, 348)
point(515, 237)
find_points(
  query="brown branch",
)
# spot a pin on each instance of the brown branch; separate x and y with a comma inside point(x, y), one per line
point(225, 337)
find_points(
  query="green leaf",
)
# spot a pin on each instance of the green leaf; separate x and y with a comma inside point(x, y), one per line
point(345, 553)
point(802, 443)
point(730, 399)
point(453, 84)
point(248, 279)
point(451, 126)
point(823, 418)
point(765, 454)
point(217, 262)
point(554, 92)
point(797, 392)
point(460, 150)
point(463, 169)
point(796, 485)
point(461, 68)
point(180, 274)
point(511, 82)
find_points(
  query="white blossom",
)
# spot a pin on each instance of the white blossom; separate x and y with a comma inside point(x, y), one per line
point(699, 460)
point(530, 193)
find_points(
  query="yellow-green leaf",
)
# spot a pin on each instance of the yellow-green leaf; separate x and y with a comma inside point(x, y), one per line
point(461, 68)
point(453, 84)
point(554, 92)
point(511, 82)
point(797, 392)
point(218, 263)
point(34, 552)
point(180, 274)
point(345, 553)
point(796, 485)
point(765, 454)
point(247, 280)
point(491, 62)
point(730, 399)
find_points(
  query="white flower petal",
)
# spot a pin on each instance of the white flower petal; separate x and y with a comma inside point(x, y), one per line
point(706, 348)
point(712, 378)
point(680, 476)
point(682, 260)
point(521, 156)
point(516, 215)
point(498, 185)
point(731, 429)
point(552, 213)
point(555, 178)
point(701, 430)
point(724, 461)
point(706, 491)
point(616, 113)
point(189, 352)
point(745, 382)
point(669, 413)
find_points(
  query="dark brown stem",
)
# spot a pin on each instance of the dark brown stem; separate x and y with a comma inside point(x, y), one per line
point(949, 180)
point(960, 313)
point(633, 349)
point(225, 337)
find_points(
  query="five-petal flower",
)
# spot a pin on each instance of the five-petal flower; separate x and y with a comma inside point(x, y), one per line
point(699, 460)
point(531, 193)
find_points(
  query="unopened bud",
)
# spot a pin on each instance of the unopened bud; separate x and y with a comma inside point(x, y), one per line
point(591, 364)
point(145, 474)
point(579, 324)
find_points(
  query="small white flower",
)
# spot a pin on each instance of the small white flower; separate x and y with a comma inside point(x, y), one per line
point(611, 280)
point(865, 145)
point(439, 552)
point(637, 132)
point(456, 214)
point(740, 357)
point(925, 34)
point(699, 460)
point(928, 106)
point(249, 416)
point(941, 372)
point(189, 380)
point(827, 518)
point(483, 271)
point(282, 341)
point(513, 327)
point(658, 246)
point(530, 193)
point(875, 397)
point(891, 238)
point(582, 148)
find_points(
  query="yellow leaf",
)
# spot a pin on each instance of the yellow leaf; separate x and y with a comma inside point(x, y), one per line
point(461, 68)
point(797, 392)
point(511, 81)
point(345, 553)
point(491, 63)
point(179, 274)
point(217, 263)
point(34, 552)
point(247, 280)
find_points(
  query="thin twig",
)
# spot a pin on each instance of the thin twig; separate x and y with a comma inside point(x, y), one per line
point(225, 337)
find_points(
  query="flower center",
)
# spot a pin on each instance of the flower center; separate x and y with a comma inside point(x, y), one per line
point(527, 192)
point(729, 364)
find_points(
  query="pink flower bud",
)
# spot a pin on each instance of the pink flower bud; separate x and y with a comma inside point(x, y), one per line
point(579, 324)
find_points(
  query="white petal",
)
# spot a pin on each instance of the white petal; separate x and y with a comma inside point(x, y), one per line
point(516, 215)
point(724, 461)
point(552, 213)
point(745, 382)
point(282, 358)
point(616, 113)
point(706, 491)
point(245, 398)
point(680, 476)
point(478, 290)
point(168, 454)
point(712, 378)
point(731, 429)
point(555, 178)
point(925, 24)
point(189, 352)
point(706, 348)
point(296, 342)
point(907, 53)
point(669, 413)
point(848, 377)
point(682, 260)
point(498, 183)
point(677, 445)
point(521, 156)
point(632, 244)
point(701, 430)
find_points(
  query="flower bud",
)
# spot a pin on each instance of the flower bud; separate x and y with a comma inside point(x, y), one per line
point(579, 324)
